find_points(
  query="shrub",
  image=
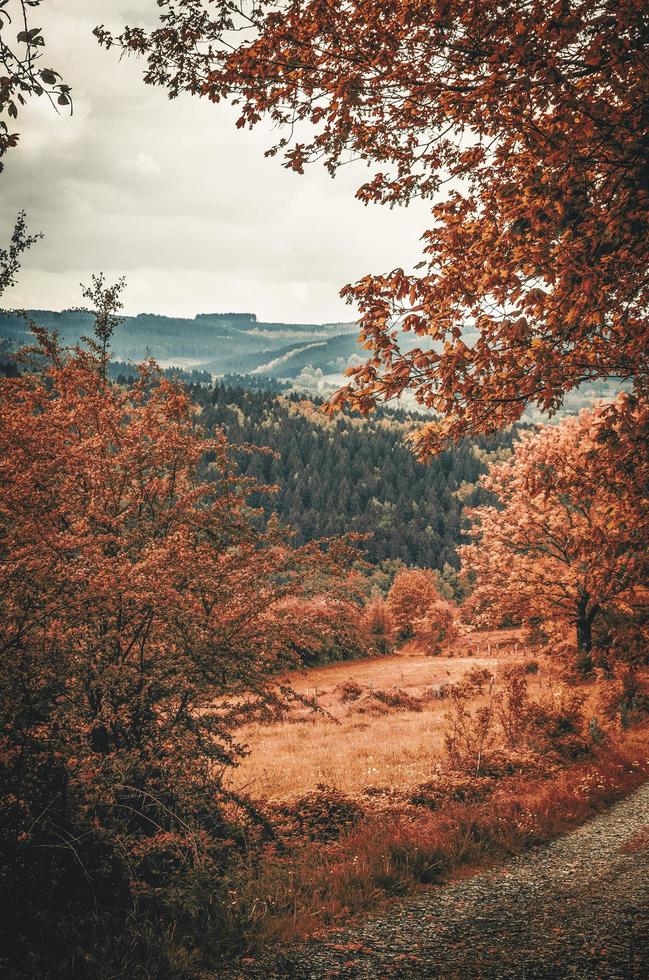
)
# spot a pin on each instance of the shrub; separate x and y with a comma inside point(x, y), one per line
point(378, 625)
point(396, 698)
point(322, 815)
point(436, 628)
point(627, 698)
point(141, 623)
point(327, 629)
point(496, 729)
point(348, 691)
point(454, 787)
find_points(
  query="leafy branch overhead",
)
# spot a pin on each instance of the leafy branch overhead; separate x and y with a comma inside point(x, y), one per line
point(526, 123)
point(22, 71)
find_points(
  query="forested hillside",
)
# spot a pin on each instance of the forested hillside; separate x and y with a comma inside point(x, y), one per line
point(351, 474)
point(223, 343)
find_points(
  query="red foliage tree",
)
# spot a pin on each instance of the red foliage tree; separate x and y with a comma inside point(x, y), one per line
point(526, 122)
point(325, 628)
point(378, 625)
point(140, 624)
point(436, 628)
point(413, 594)
point(566, 543)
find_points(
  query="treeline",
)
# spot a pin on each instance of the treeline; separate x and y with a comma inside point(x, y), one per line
point(350, 474)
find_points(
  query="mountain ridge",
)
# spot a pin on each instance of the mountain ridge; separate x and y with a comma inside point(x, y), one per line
point(219, 342)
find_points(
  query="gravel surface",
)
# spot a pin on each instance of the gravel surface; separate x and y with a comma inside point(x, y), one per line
point(577, 908)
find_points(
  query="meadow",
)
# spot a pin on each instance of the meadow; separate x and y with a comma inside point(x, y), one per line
point(352, 743)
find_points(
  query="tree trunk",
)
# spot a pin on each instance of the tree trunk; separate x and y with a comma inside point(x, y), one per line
point(584, 620)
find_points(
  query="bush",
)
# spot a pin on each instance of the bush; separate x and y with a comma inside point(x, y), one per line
point(378, 626)
point(396, 698)
point(328, 629)
point(436, 628)
point(496, 729)
point(321, 815)
point(348, 691)
point(452, 787)
point(141, 624)
point(410, 598)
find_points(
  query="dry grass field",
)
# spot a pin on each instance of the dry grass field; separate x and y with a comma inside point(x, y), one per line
point(356, 744)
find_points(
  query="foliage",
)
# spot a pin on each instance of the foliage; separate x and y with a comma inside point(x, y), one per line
point(324, 814)
point(526, 122)
point(567, 542)
point(106, 304)
point(453, 821)
point(413, 593)
point(348, 691)
point(122, 372)
point(141, 620)
point(10, 256)
point(326, 628)
point(627, 699)
point(24, 75)
point(396, 698)
point(378, 625)
point(495, 728)
point(454, 787)
point(436, 629)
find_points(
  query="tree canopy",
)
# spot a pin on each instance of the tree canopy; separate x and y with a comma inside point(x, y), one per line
point(527, 124)
point(565, 544)
point(143, 618)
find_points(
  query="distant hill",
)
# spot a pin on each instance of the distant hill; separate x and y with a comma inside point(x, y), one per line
point(222, 343)
point(217, 345)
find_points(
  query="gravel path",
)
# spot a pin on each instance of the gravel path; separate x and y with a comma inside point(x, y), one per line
point(577, 908)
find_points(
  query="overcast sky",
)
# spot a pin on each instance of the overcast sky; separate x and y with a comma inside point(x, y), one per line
point(171, 195)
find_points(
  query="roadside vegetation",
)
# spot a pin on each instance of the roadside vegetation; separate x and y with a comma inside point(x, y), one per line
point(417, 768)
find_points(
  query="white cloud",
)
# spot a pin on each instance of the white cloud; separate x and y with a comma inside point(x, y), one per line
point(143, 165)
